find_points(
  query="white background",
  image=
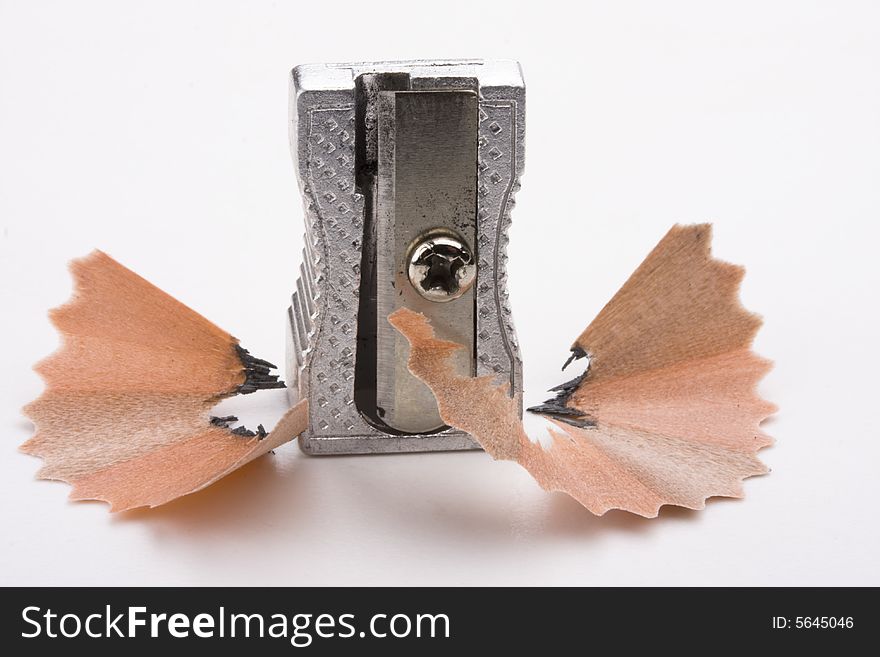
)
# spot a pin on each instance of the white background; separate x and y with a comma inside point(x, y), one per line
point(158, 132)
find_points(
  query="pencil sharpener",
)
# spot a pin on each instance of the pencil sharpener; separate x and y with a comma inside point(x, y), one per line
point(407, 172)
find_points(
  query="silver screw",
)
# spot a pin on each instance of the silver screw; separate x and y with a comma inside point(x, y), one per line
point(441, 267)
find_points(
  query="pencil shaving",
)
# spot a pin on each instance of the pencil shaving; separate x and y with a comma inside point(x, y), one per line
point(125, 416)
point(667, 412)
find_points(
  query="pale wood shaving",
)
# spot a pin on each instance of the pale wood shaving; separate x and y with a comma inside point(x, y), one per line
point(670, 390)
point(125, 416)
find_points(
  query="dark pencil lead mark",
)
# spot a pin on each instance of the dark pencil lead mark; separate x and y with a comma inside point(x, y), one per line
point(565, 389)
point(549, 408)
point(576, 354)
point(242, 431)
point(223, 421)
point(563, 413)
point(556, 407)
point(257, 372)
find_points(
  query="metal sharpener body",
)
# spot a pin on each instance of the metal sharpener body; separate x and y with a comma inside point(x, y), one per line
point(408, 172)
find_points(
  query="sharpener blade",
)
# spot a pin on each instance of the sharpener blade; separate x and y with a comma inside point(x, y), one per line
point(427, 182)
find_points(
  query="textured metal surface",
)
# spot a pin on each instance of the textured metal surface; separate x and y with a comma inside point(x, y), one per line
point(323, 317)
